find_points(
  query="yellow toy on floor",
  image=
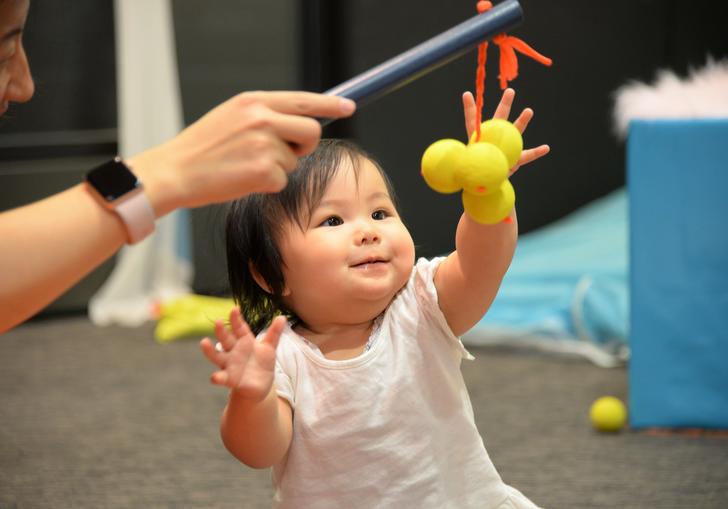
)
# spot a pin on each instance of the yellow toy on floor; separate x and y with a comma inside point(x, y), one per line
point(190, 316)
point(480, 169)
point(608, 414)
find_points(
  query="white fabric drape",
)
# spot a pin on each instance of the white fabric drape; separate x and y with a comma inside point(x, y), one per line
point(149, 112)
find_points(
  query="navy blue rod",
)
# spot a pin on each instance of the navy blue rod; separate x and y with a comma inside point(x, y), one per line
point(429, 55)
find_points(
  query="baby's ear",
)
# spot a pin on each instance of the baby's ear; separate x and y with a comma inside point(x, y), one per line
point(260, 280)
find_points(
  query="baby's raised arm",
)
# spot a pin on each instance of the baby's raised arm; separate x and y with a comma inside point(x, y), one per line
point(256, 424)
point(468, 280)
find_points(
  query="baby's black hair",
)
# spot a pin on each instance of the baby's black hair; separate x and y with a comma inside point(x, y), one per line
point(256, 222)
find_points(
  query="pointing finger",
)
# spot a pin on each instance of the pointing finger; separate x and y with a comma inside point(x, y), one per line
point(306, 103)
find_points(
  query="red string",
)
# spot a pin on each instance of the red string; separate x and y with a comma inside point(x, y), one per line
point(508, 64)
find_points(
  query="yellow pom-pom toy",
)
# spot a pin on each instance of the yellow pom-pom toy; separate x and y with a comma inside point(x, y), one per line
point(479, 169)
point(608, 414)
point(492, 209)
point(505, 136)
point(436, 162)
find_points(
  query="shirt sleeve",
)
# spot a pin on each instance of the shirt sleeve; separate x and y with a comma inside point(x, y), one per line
point(423, 284)
point(284, 385)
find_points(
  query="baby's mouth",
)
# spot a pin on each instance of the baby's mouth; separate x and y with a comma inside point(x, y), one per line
point(367, 263)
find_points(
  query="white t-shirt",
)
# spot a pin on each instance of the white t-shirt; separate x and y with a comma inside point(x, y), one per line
point(392, 427)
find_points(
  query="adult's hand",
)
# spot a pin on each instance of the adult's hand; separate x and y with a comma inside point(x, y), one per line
point(245, 145)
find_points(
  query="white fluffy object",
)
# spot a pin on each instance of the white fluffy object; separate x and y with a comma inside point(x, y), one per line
point(702, 94)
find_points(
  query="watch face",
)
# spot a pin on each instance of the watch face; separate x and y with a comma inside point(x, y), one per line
point(112, 180)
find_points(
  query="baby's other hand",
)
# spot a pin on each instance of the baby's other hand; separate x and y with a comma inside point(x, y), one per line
point(503, 111)
point(245, 364)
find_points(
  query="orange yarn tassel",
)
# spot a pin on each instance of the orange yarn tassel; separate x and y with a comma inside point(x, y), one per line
point(508, 64)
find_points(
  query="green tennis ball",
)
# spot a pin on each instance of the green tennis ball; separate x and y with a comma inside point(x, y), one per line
point(608, 414)
point(491, 208)
point(503, 135)
point(481, 168)
point(438, 165)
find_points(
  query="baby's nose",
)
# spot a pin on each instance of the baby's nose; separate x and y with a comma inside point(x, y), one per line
point(368, 235)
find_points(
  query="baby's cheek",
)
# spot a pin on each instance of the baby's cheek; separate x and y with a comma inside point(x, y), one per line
point(407, 259)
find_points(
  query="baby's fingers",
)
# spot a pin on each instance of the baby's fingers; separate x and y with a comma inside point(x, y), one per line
point(504, 106)
point(220, 378)
point(214, 356)
point(273, 334)
point(470, 112)
point(530, 155)
point(238, 324)
point(225, 336)
point(523, 119)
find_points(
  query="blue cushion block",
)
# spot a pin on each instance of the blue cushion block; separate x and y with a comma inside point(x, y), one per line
point(677, 179)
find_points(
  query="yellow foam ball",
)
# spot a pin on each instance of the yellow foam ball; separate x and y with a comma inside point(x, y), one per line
point(608, 414)
point(438, 165)
point(481, 168)
point(491, 208)
point(503, 135)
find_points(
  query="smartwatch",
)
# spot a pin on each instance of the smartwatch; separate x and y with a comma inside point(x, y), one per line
point(120, 191)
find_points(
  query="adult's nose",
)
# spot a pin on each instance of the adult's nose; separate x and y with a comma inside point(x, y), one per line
point(20, 87)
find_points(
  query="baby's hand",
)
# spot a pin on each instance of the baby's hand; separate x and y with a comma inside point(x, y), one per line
point(246, 365)
point(503, 111)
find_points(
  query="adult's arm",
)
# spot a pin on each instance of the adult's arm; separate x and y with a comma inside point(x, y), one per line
point(245, 145)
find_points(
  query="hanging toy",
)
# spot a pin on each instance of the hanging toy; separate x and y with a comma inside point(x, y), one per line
point(481, 169)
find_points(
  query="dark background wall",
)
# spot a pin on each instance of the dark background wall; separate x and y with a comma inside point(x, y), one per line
point(596, 47)
point(227, 46)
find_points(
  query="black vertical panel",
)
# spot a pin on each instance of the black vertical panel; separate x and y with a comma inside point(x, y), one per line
point(317, 50)
point(323, 52)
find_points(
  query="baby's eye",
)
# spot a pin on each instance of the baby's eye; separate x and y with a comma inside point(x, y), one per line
point(332, 221)
point(380, 214)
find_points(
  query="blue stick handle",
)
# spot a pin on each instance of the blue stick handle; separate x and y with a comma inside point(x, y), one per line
point(429, 55)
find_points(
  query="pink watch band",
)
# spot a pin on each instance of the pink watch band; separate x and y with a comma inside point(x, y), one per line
point(138, 216)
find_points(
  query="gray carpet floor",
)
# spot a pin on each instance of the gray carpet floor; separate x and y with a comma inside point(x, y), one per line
point(108, 418)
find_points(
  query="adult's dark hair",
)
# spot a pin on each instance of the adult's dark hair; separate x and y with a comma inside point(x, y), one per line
point(256, 222)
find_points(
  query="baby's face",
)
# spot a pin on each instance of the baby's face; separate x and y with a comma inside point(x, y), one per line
point(354, 254)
